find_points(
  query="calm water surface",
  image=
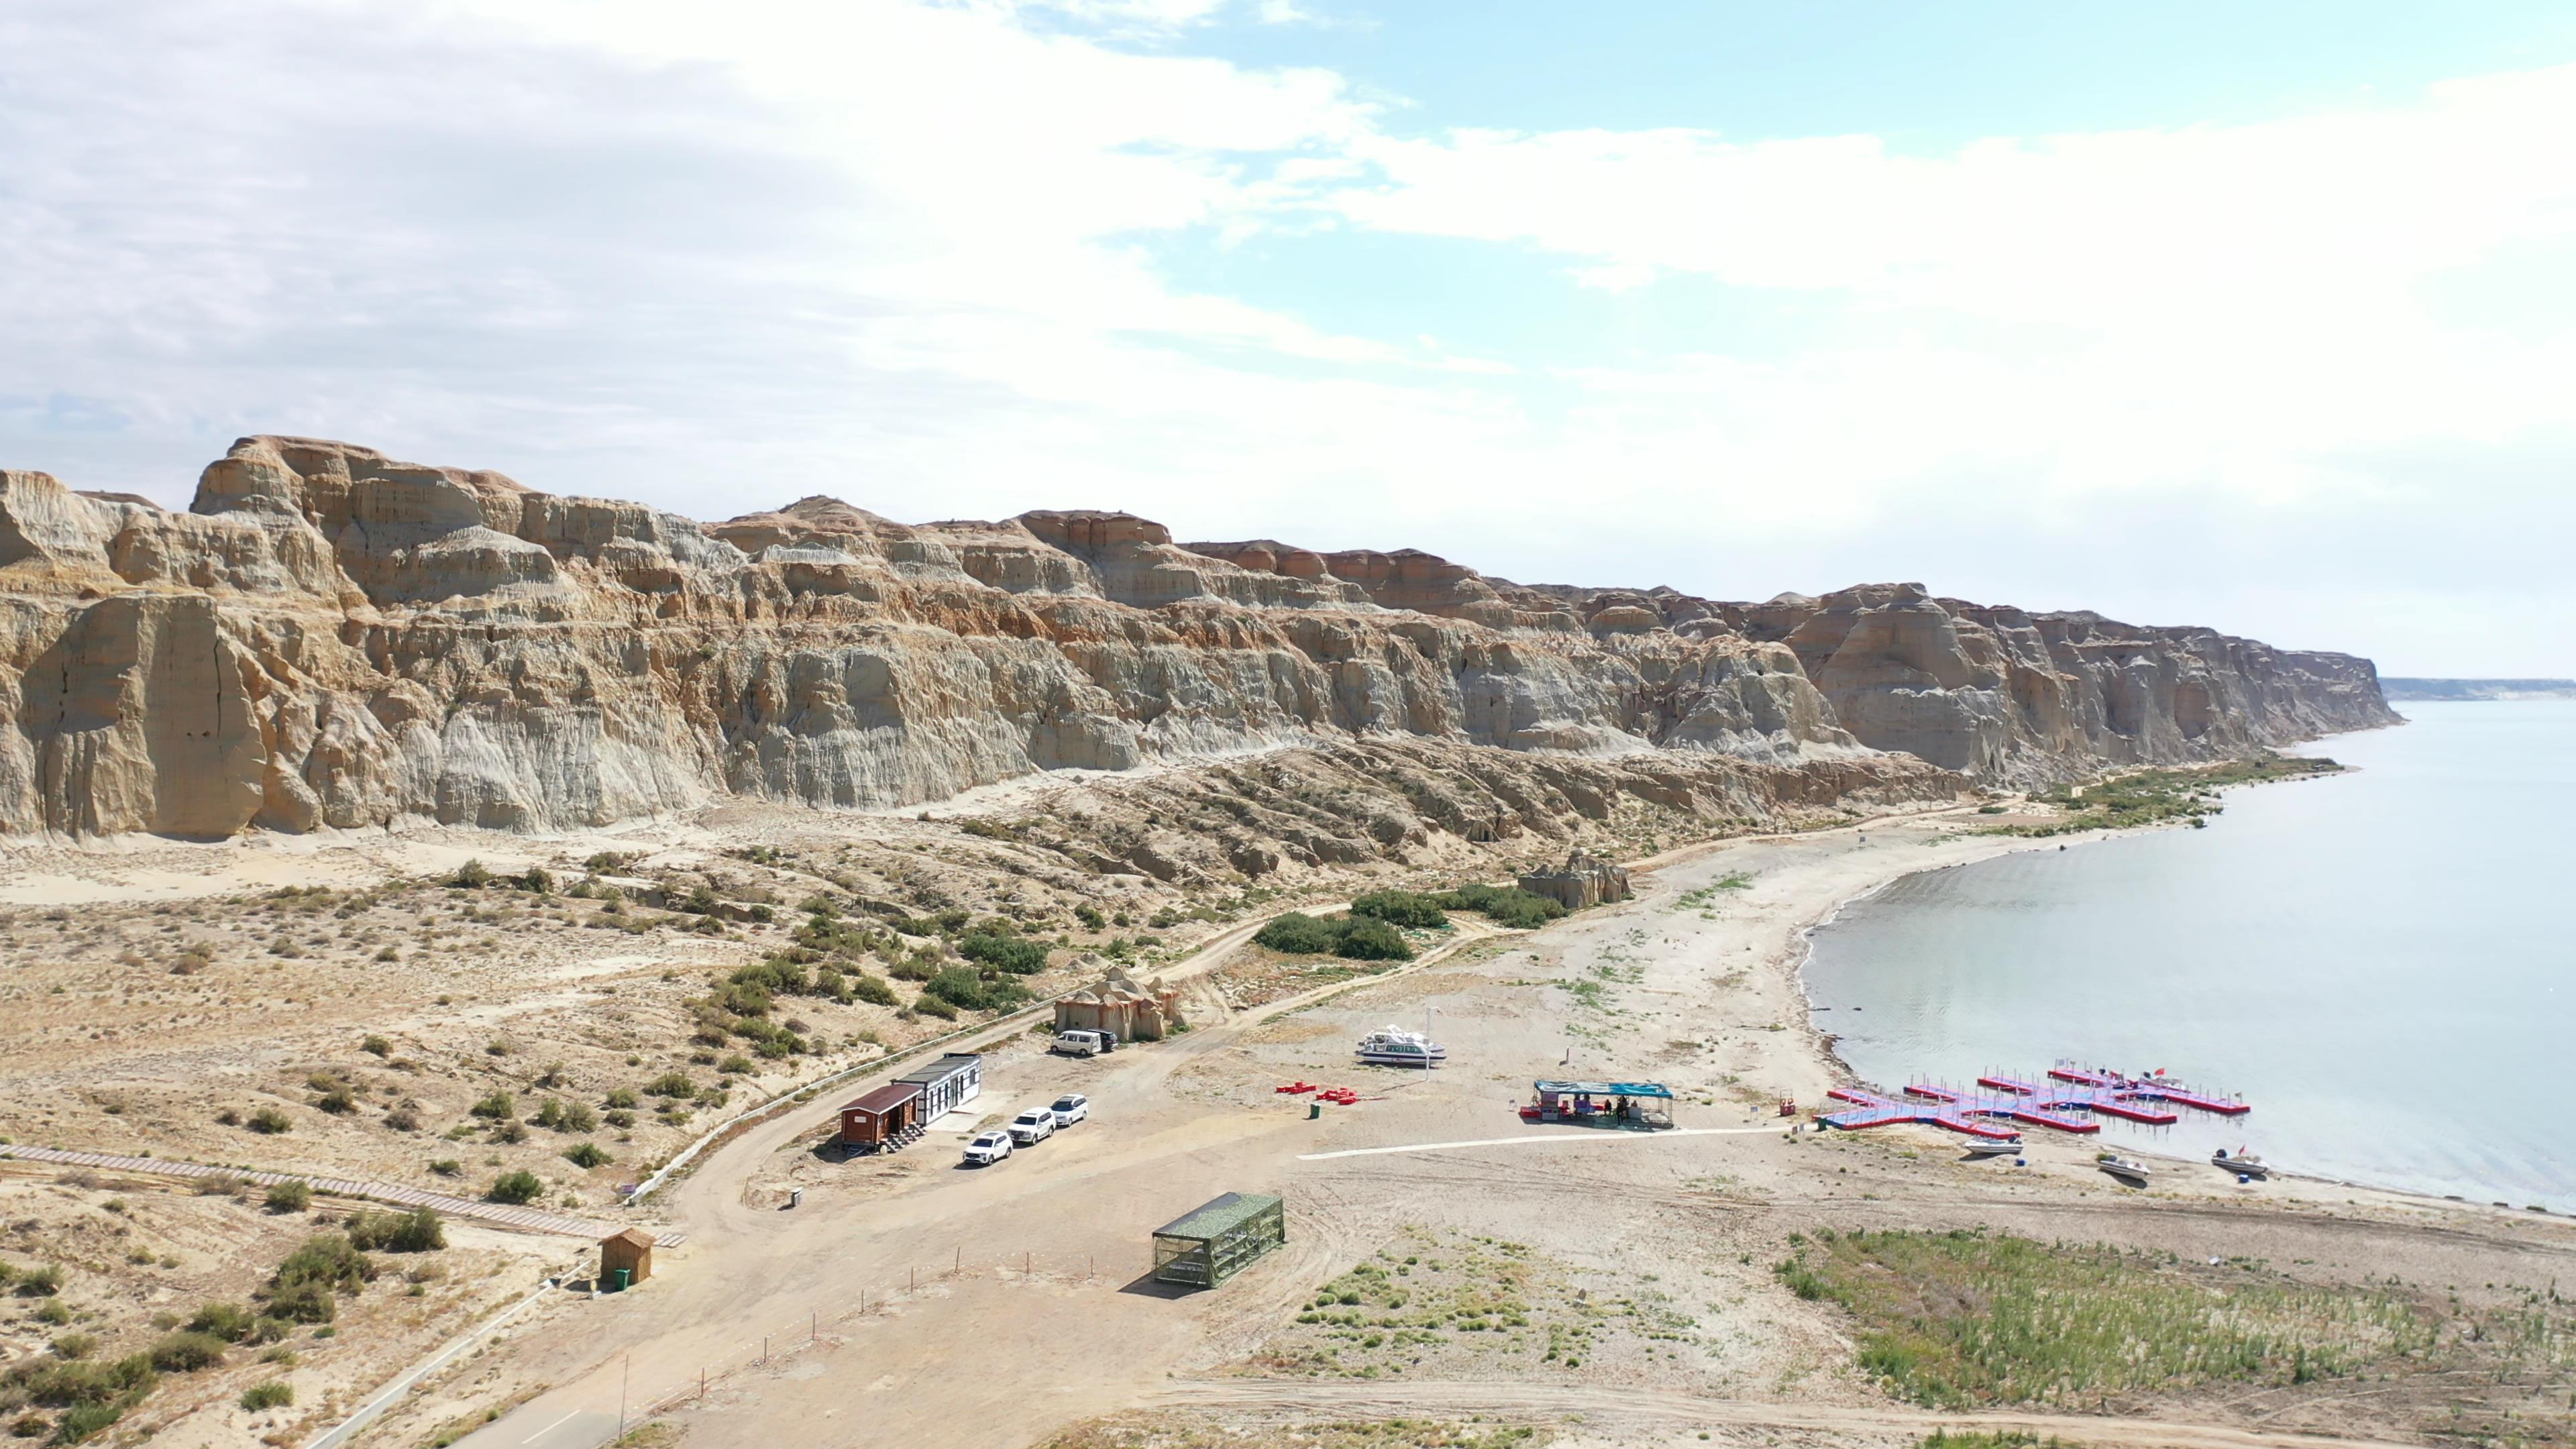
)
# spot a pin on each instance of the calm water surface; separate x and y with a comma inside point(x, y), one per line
point(2379, 961)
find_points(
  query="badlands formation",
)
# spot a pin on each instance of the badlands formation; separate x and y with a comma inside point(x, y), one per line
point(332, 639)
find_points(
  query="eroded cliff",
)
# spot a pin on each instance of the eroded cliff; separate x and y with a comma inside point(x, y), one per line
point(331, 638)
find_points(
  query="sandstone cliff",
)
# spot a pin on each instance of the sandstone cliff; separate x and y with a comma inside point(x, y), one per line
point(330, 638)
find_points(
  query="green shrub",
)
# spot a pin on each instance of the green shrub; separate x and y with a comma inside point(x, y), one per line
point(515, 1187)
point(970, 991)
point(873, 991)
point(471, 876)
point(498, 1107)
point(74, 1345)
point(329, 1259)
point(587, 1154)
point(83, 1420)
point(1504, 905)
point(416, 1231)
point(275, 1394)
point(268, 1122)
point(577, 1118)
point(1015, 954)
point(376, 1046)
point(1366, 938)
point(1090, 917)
point(929, 1005)
point(671, 1084)
point(1298, 934)
point(55, 1312)
point(620, 1097)
point(42, 1282)
point(1402, 908)
point(228, 1321)
point(186, 1352)
point(291, 1196)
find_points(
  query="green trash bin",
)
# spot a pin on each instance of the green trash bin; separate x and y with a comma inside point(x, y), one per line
point(619, 1279)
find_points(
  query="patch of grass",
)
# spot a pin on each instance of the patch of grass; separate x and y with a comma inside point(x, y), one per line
point(2149, 797)
point(1182, 1430)
point(274, 1394)
point(1964, 1318)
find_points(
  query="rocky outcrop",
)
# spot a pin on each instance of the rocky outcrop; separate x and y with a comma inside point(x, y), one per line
point(332, 638)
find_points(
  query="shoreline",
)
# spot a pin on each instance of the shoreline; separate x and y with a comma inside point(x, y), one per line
point(1824, 1045)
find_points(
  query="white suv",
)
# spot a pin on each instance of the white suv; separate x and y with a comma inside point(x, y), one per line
point(988, 1148)
point(1032, 1127)
point(1070, 1108)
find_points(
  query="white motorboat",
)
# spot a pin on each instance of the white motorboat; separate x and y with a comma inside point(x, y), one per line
point(2126, 1171)
point(1396, 1047)
point(1992, 1146)
point(2242, 1163)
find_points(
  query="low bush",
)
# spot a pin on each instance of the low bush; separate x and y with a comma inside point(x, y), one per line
point(1298, 934)
point(1366, 938)
point(416, 1231)
point(1403, 908)
point(669, 1084)
point(587, 1154)
point(228, 1321)
point(1356, 938)
point(292, 1196)
point(42, 1282)
point(970, 990)
point(186, 1352)
point(929, 1005)
point(873, 991)
point(498, 1107)
point(1503, 905)
point(621, 1097)
point(274, 1394)
point(1015, 954)
point(268, 1122)
point(515, 1187)
point(471, 876)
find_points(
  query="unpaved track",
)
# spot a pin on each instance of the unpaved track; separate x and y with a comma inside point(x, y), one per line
point(1557, 1401)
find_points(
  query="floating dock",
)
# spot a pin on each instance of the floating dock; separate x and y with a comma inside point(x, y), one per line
point(2069, 1098)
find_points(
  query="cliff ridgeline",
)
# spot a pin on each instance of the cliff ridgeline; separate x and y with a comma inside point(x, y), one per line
point(329, 638)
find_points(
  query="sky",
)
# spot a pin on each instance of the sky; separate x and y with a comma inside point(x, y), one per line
point(2255, 317)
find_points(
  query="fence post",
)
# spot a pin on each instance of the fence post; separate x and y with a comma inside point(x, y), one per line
point(764, 1348)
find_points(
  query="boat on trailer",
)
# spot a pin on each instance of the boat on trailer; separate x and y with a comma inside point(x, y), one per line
point(1396, 1047)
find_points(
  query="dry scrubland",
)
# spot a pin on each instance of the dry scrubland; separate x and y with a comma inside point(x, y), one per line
point(470, 1013)
point(1751, 1289)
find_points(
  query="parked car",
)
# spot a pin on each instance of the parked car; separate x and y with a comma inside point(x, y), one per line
point(988, 1148)
point(1070, 1108)
point(1078, 1043)
point(1033, 1126)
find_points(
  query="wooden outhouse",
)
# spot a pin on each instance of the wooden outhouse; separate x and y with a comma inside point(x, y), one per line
point(888, 1115)
point(625, 1259)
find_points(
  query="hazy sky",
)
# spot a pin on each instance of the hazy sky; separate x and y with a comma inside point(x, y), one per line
point(2262, 317)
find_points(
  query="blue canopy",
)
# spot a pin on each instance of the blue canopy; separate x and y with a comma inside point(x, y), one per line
point(1602, 1089)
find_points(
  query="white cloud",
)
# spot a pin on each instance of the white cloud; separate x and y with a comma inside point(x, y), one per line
point(907, 252)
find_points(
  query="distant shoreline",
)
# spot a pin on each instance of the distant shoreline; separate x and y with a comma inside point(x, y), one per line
point(2420, 691)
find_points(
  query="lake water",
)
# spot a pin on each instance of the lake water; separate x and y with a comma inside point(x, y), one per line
point(2379, 961)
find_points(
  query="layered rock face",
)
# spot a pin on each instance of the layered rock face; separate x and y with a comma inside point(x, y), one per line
point(331, 638)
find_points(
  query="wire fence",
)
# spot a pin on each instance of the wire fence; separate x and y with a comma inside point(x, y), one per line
point(794, 1337)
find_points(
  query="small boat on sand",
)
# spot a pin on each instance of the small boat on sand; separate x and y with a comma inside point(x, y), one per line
point(1396, 1047)
point(1983, 1147)
point(2242, 1163)
point(2126, 1171)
